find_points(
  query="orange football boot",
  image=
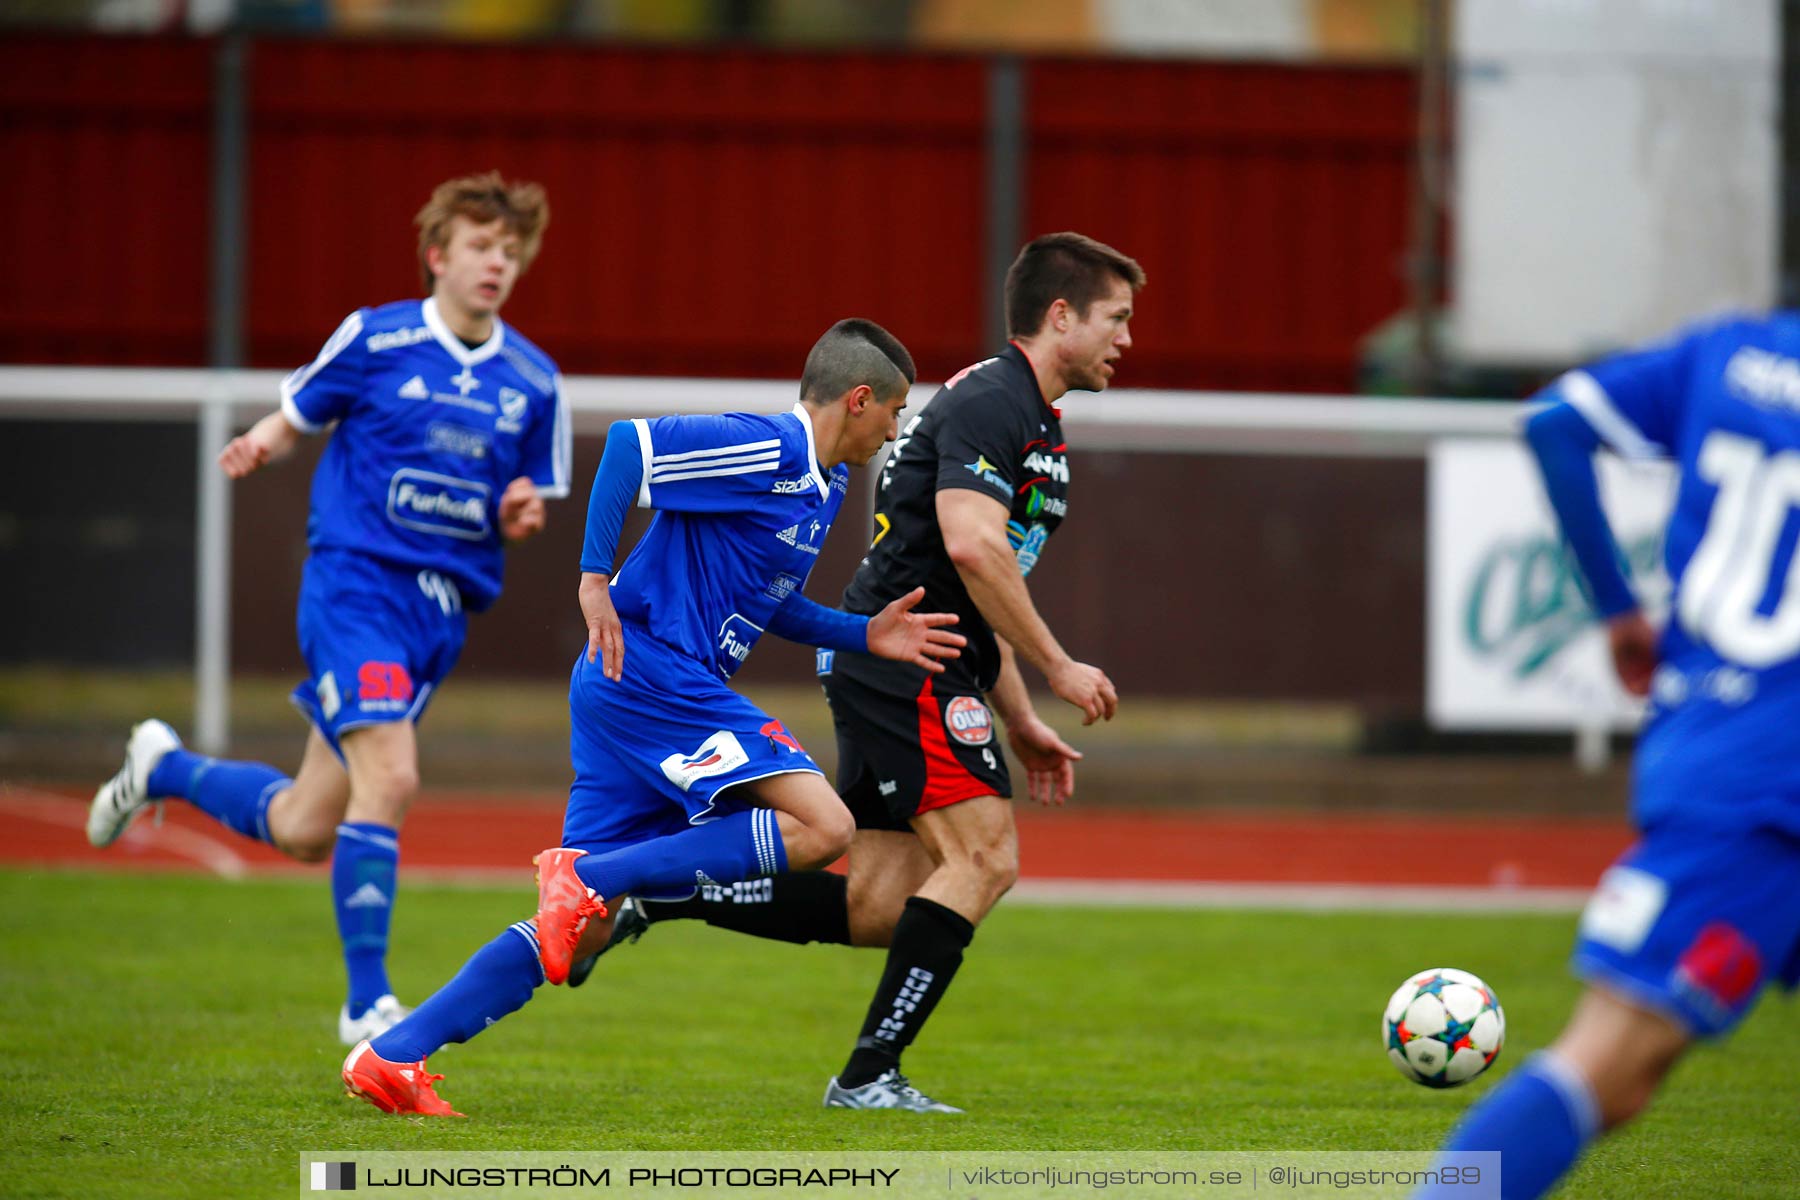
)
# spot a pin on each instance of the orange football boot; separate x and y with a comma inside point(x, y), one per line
point(393, 1087)
point(565, 905)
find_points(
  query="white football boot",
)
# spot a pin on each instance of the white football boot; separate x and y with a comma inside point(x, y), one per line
point(380, 1017)
point(887, 1090)
point(126, 794)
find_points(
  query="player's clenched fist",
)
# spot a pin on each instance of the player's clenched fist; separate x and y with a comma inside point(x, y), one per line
point(269, 439)
point(1087, 688)
point(521, 510)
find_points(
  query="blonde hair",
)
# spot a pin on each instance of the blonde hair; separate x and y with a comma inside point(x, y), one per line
point(482, 199)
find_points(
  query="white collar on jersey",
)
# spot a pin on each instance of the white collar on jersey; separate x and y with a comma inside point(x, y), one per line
point(812, 452)
point(434, 321)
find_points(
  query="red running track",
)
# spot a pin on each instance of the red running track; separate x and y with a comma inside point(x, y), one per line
point(484, 833)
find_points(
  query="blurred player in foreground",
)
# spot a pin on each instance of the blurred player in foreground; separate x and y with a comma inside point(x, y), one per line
point(1686, 928)
point(448, 431)
point(976, 486)
point(679, 780)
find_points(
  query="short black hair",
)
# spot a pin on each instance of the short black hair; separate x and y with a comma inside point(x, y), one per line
point(1062, 266)
point(853, 352)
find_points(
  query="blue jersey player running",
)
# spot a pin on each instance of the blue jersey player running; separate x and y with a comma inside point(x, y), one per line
point(447, 432)
point(679, 780)
point(1687, 927)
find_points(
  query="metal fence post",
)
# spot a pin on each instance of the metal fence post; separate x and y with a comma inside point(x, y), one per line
point(1005, 188)
point(212, 619)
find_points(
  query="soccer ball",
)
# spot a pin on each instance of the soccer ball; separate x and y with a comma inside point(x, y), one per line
point(1443, 1027)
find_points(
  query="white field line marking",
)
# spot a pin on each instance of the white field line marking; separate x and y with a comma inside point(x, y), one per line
point(218, 857)
point(64, 813)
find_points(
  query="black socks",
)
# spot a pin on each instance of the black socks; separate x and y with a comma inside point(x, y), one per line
point(927, 948)
point(794, 906)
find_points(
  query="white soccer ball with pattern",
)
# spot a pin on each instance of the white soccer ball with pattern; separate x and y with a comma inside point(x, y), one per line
point(1443, 1027)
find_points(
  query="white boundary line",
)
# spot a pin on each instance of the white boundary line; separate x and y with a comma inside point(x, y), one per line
point(209, 852)
point(217, 857)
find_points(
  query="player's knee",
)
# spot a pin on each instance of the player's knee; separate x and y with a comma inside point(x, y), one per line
point(1627, 1093)
point(837, 829)
point(993, 867)
point(384, 794)
point(821, 841)
point(310, 845)
point(999, 866)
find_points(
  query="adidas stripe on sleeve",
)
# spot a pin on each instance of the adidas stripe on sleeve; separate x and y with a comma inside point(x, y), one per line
point(707, 464)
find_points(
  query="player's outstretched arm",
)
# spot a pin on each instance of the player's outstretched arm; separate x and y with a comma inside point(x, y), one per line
point(522, 512)
point(922, 639)
point(269, 440)
point(974, 529)
point(605, 636)
point(1049, 761)
point(1564, 444)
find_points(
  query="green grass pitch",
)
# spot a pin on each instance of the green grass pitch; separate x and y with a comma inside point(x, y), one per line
point(176, 1036)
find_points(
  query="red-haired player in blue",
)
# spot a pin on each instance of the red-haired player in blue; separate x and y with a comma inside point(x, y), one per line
point(447, 432)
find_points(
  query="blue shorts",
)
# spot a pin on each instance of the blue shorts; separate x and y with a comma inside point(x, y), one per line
point(1692, 922)
point(659, 750)
point(377, 639)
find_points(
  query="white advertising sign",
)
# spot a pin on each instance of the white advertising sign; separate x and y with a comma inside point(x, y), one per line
point(1512, 642)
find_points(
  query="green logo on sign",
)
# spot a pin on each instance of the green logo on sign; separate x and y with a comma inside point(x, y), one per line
point(1527, 601)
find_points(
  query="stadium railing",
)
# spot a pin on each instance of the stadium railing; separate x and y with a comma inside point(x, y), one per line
point(219, 401)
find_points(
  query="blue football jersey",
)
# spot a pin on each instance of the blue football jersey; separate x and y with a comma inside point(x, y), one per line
point(1722, 400)
point(429, 433)
point(741, 512)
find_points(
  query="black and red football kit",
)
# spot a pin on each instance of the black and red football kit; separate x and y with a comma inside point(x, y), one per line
point(910, 741)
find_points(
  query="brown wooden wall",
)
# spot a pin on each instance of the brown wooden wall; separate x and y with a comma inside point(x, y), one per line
point(713, 211)
point(713, 208)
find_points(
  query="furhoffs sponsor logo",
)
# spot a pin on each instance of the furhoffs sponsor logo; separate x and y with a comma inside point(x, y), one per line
point(441, 504)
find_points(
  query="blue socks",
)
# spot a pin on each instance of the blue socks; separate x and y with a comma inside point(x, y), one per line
point(1540, 1120)
point(364, 865)
point(744, 845)
point(235, 794)
point(497, 980)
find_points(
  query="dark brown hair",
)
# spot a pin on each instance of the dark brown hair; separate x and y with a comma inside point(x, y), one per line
point(1062, 266)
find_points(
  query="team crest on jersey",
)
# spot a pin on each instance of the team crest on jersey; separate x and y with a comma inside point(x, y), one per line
point(719, 754)
point(793, 535)
point(512, 411)
point(969, 721)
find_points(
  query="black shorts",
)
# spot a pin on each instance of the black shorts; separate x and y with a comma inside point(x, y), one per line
point(906, 746)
